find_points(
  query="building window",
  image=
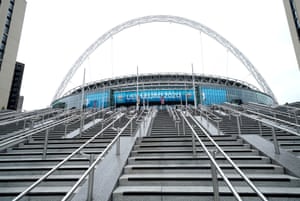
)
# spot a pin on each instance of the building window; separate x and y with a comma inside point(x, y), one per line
point(6, 29)
point(296, 17)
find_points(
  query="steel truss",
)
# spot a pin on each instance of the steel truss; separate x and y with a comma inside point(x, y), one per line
point(164, 18)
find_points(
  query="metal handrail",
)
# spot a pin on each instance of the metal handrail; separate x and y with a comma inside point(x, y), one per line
point(33, 131)
point(229, 159)
point(269, 110)
point(273, 118)
point(176, 115)
point(4, 113)
point(272, 109)
point(140, 116)
point(260, 120)
point(211, 158)
point(98, 159)
point(215, 117)
point(13, 139)
point(20, 132)
point(290, 108)
point(62, 162)
point(206, 112)
point(171, 112)
point(24, 116)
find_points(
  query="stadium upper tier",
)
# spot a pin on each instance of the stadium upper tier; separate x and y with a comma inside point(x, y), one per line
point(164, 88)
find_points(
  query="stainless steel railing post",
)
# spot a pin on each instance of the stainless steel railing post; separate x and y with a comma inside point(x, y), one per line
point(91, 180)
point(183, 126)
point(141, 130)
point(260, 127)
point(32, 124)
point(238, 124)
point(118, 143)
point(218, 126)
point(81, 124)
point(24, 127)
point(177, 126)
point(66, 128)
point(296, 121)
point(194, 144)
point(131, 130)
point(214, 178)
point(207, 123)
point(45, 145)
point(241, 120)
point(276, 146)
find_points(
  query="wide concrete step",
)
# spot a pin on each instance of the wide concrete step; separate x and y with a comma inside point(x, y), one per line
point(38, 170)
point(206, 179)
point(69, 141)
point(57, 152)
point(38, 161)
point(187, 146)
point(42, 193)
point(196, 159)
point(61, 146)
point(284, 138)
point(176, 152)
point(193, 193)
point(185, 139)
point(189, 143)
point(49, 183)
point(200, 168)
point(290, 145)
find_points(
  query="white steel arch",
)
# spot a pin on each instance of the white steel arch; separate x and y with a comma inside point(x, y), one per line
point(164, 18)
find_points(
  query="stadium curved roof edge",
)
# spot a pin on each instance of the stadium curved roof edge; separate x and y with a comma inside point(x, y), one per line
point(159, 78)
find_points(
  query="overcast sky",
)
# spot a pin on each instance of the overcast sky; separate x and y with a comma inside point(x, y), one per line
point(55, 33)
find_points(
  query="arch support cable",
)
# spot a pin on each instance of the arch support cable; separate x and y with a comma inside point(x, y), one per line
point(164, 18)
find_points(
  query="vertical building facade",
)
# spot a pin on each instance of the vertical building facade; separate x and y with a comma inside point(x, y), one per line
point(11, 21)
point(292, 9)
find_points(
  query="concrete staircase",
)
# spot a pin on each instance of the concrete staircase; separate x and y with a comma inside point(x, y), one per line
point(22, 165)
point(162, 166)
point(287, 141)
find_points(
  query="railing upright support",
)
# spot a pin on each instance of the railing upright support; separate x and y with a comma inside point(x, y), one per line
point(214, 178)
point(218, 126)
point(177, 126)
point(118, 146)
point(45, 145)
point(296, 121)
point(66, 128)
point(276, 146)
point(194, 144)
point(238, 124)
point(207, 120)
point(91, 180)
point(241, 120)
point(24, 127)
point(183, 126)
point(131, 130)
point(260, 127)
point(81, 124)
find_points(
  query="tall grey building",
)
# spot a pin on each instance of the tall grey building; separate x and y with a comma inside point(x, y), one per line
point(11, 21)
point(292, 9)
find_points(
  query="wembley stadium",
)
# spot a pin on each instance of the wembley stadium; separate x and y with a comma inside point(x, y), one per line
point(163, 88)
point(156, 89)
point(151, 137)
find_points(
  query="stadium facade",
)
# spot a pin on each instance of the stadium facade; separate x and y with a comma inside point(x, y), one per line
point(156, 89)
